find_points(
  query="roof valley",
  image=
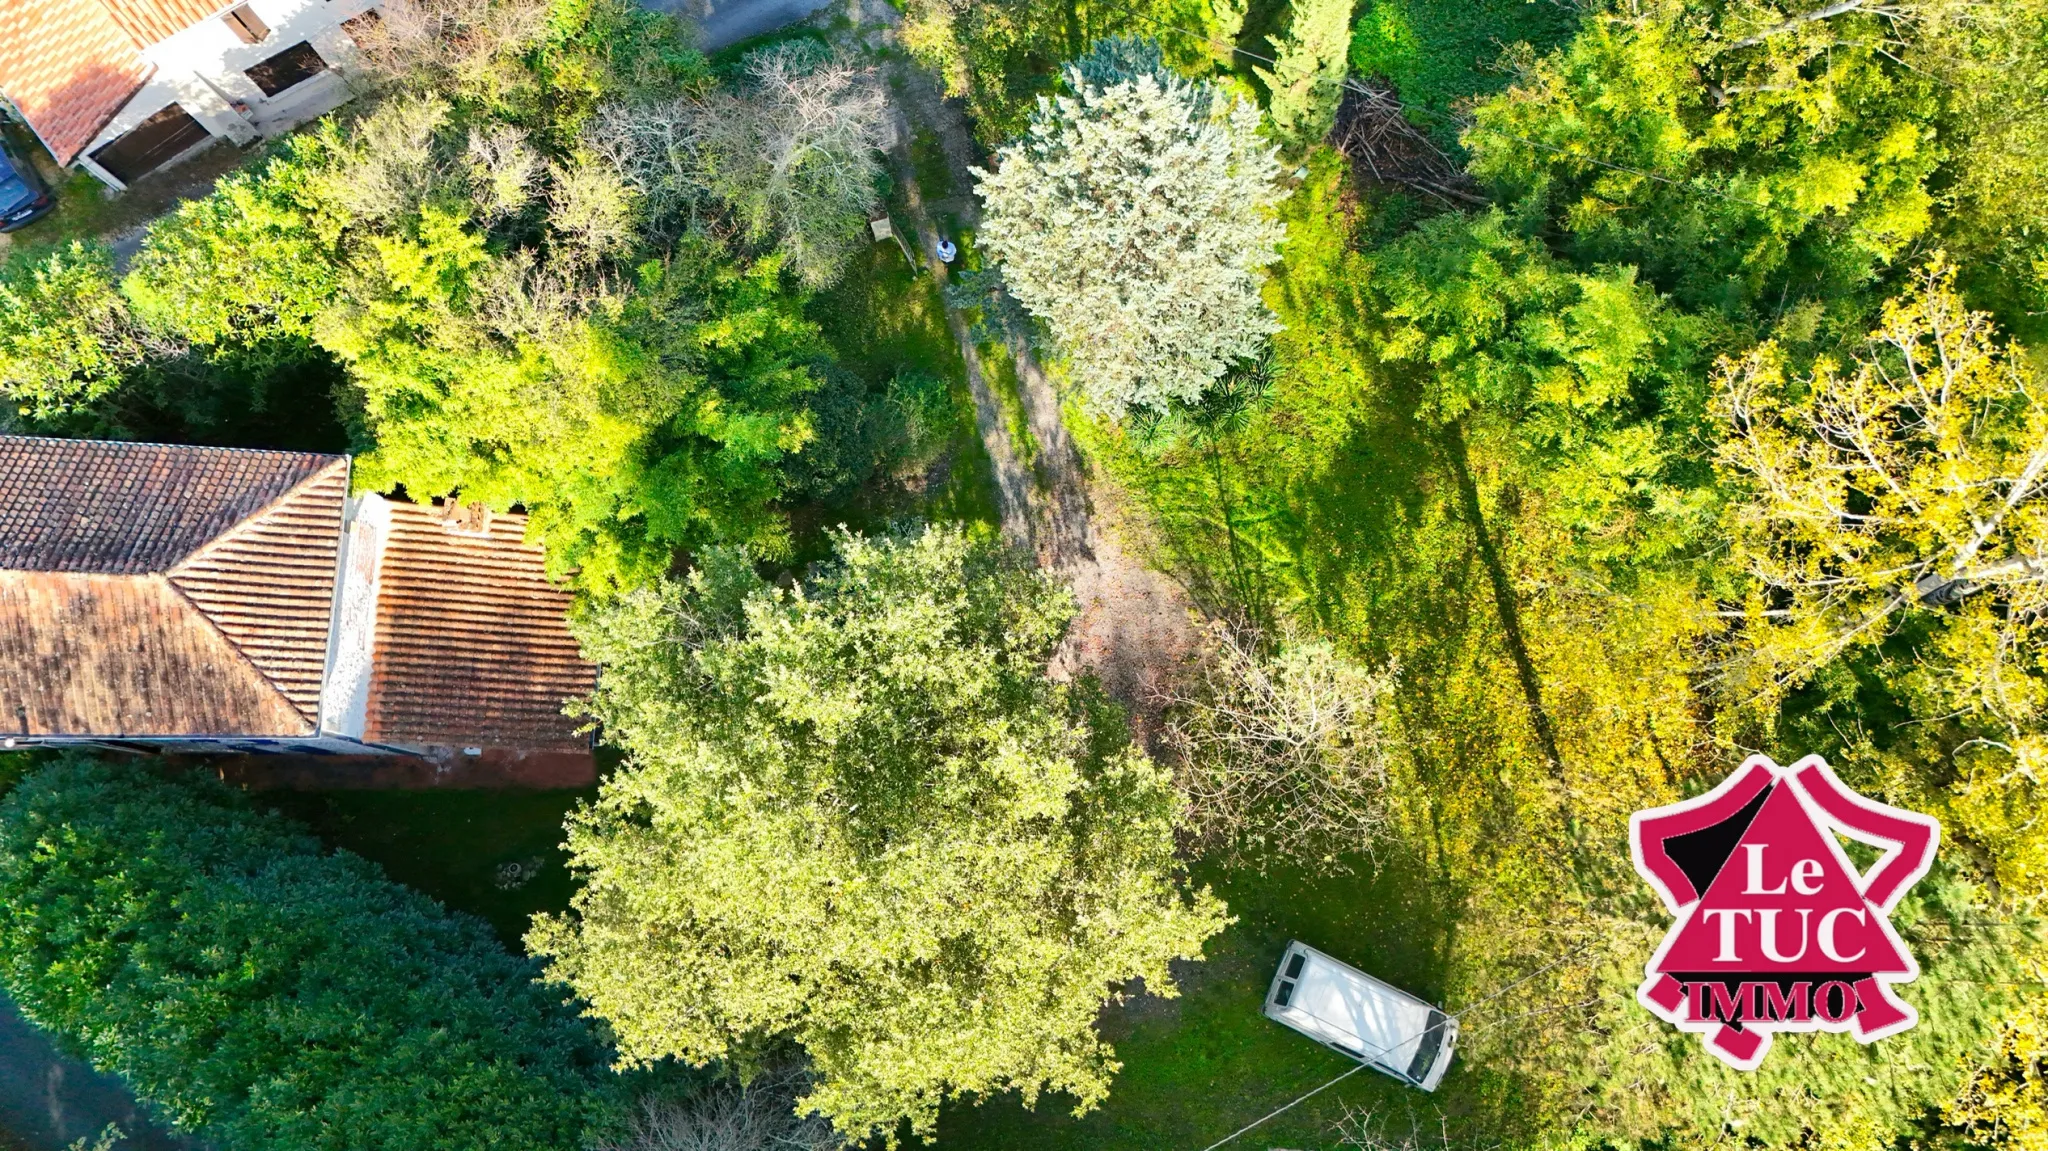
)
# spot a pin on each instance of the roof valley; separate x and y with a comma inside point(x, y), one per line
point(268, 686)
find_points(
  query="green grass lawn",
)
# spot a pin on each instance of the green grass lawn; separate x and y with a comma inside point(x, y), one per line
point(1199, 1067)
point(1440, 53)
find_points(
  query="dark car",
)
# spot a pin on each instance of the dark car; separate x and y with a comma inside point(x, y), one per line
point(23, 195)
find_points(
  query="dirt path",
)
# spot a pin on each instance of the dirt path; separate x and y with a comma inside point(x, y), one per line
point(1134, 630)
point(1013, 482)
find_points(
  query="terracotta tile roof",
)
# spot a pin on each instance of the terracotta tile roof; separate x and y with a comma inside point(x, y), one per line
point(471, 643)
point(168, 671)
point(151, 21)
point(158, 590)
point(268, 584)
point(118, 508)
point(143, 571)
point(69, 65)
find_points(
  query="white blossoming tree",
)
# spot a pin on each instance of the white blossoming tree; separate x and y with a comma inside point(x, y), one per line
point(1135, 218)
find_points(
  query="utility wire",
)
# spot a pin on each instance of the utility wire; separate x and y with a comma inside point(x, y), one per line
point(1285, 1106)
point(1401, 1042)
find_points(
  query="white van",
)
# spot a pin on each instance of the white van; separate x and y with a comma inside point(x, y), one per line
point(1354, 1014)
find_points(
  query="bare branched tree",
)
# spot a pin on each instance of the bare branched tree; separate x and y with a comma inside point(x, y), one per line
point(590, 209)
point(504, 169)
point(394, 163)
point(790, 152)
point(1364, 1130)
point(468, 42)
point(523, 299)
point(761, 1116)
point(1285, 754)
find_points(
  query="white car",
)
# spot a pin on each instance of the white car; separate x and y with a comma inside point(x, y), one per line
point(1354, 1014)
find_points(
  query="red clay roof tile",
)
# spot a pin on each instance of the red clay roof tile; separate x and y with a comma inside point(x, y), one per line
point(471, 647)
point(153, 21)
point(159, 590)
point(69, 65)
point(268, 584)
point(109, 655)
point(119, 508)
point(142, 572)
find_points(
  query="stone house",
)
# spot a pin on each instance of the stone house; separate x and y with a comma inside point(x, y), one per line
point(192, 599)
point(120, 88)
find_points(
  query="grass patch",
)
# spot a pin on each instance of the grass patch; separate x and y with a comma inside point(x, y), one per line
point(1001, 373)
point(1201, 1066)
point(1439, 54)
point(928, 161)
point(494, 854)
point(87, 210)
point(880, 318)
point(883, 320)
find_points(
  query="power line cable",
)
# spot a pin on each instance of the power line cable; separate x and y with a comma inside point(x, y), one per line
point(1401, 1042)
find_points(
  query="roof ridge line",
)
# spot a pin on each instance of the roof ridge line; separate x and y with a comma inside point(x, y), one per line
point(180, 447)
point(264, 679)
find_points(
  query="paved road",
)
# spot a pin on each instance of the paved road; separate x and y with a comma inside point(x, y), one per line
point(47, 1099)
point(730, 21)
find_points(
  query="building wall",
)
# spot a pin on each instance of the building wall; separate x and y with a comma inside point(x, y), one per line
point(344, 702)
point(202, 69)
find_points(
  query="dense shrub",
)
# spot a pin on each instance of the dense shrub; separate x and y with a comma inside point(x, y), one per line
point(265, 993)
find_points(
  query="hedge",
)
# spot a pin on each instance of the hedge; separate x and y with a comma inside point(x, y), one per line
point(265, 993)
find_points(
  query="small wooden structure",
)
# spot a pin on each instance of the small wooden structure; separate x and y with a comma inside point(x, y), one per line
point(885, 229)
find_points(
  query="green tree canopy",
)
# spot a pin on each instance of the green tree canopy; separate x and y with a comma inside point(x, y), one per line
point(509, 328)
point(65, 334)
point(1307, 76)
point(1001, 55)
point(1727, 161)
point(1135, 218)
point(858, 816)
point(1589, 381)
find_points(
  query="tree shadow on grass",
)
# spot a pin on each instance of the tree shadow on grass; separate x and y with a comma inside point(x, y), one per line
point(1200, 1066)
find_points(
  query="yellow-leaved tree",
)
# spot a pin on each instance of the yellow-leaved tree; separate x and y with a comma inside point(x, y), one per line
point(1899, 500)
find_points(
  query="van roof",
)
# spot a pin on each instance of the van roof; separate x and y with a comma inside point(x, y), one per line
point(1344, 1005)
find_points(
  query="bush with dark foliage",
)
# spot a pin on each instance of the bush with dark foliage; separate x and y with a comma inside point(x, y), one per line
point(266, 993)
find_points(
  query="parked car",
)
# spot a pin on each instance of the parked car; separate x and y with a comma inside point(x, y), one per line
point(23, 195)
point(1354, 1014)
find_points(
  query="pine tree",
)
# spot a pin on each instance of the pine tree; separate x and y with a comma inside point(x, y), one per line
point(1307, 77)
point(1136, 219)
